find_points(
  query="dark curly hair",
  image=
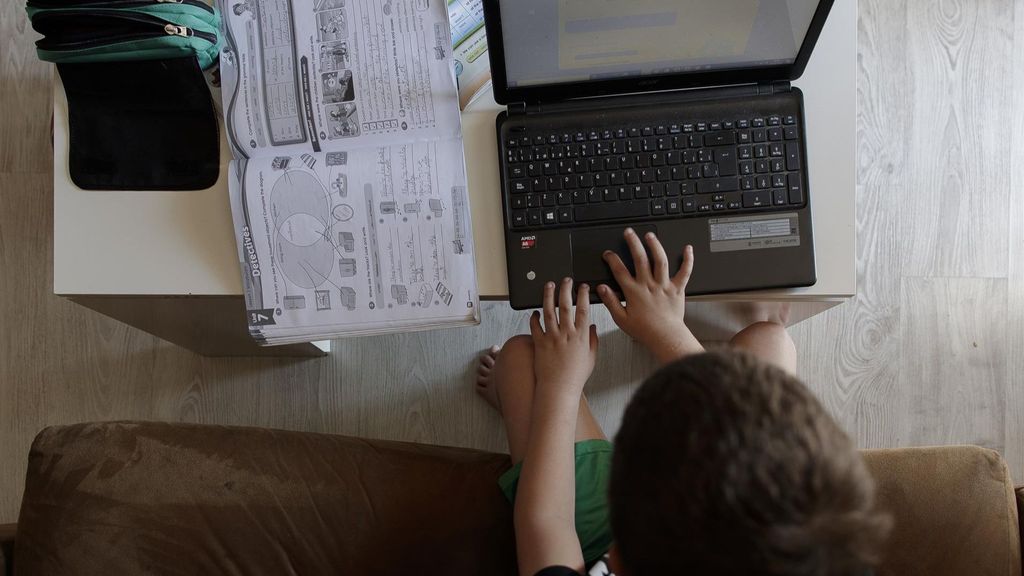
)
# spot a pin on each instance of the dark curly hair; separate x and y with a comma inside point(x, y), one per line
point(726, 465)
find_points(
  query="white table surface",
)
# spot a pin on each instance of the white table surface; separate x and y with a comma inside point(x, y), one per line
point(181, 243)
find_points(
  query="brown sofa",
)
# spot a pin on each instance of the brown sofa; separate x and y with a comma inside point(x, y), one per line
point(145, 498)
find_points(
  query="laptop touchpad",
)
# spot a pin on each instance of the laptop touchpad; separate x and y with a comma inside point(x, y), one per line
point(588, 246)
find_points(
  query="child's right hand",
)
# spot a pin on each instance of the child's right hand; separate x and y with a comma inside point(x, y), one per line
point(655, 302)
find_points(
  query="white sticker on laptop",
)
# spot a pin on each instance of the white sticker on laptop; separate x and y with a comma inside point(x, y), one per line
point(754, 232)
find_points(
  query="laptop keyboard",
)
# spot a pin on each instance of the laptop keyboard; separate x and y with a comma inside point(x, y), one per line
point(653, 171)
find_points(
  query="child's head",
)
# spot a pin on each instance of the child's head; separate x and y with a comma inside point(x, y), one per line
point(725, 465)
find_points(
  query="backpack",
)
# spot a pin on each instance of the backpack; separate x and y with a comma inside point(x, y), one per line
point(140, 112)
point(81, 31)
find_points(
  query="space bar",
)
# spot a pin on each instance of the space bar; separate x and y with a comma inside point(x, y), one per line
point(613, 211)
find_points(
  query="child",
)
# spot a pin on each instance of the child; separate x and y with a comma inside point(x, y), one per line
point(725, 464)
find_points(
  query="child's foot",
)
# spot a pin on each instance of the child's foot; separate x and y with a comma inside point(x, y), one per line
point(484, 378)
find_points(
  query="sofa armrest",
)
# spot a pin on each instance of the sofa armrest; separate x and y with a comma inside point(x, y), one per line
point(7, 548)
point(954, 512)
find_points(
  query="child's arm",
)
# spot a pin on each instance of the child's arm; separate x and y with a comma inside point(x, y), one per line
point(655, 302)
point(565, 350)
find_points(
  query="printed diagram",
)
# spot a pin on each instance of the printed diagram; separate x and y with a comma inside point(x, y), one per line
point(323, 300)
point(426, 295)
point(347, 267)
point(412, 207)
point(348, 298)
point(294, 302)
point(329, 4)
point(337, 158)
point(301, 217)
point(337, 86)
point(308, 160)
point(400, 293)
point(331, 25)
point(436, 207)
point(240, 8)
point(334, 56)
point(342, 120)
point(342, 212)
point(347, 241)
point(388, 207)
point(280, 163)
point(339, 186)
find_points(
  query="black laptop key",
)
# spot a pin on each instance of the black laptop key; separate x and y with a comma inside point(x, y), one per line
point(796, 191)
point(792, 156)
point(720, 139)
point(521, 186)
point(717, 185)
point(519, 219)
point(534, 218)
point(775, 134)
point(673, 205)
point(549, 216)
point(689, 205)
point(519, 203)
point(613, 211)
point(756, 199)
point(658, 207)
point(533, 200)
point(726, 159)
point(779, 197)
point(564, 215)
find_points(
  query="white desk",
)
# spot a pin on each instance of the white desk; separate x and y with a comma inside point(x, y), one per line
point(113, 248)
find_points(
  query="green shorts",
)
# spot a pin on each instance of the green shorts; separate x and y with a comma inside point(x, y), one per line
point(593, 468)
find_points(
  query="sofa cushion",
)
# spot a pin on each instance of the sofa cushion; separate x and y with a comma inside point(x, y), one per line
point(954, 512)
point(130, 498)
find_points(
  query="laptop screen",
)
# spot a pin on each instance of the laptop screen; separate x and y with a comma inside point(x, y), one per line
point(566, 41)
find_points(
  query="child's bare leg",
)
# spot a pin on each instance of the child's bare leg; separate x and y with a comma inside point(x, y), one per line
point(505, 379)
point(770, 342)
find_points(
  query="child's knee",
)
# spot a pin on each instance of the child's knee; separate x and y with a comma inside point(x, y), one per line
point(518, 347)
point(769, 341)
point(768, 332)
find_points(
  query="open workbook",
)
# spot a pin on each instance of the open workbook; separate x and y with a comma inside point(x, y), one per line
point(348, 184)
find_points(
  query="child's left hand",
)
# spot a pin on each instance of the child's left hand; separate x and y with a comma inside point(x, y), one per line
point(565, 349)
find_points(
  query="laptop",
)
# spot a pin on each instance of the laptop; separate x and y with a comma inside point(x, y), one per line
point(671, 116)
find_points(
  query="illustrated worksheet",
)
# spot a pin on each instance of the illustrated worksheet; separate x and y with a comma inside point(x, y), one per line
point(348, 184)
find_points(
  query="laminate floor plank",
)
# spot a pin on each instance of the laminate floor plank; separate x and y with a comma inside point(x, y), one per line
point(953, 362)
point(956, 223)
point(1014, 378)
point(25, 144)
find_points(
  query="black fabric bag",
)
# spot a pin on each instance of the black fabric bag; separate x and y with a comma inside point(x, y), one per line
point(141, 125)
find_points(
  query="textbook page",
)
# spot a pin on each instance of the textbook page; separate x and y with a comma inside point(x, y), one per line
point(308, 76)
point(355, 242)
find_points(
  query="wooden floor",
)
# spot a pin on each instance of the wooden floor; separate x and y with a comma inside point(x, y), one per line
point(932, 350)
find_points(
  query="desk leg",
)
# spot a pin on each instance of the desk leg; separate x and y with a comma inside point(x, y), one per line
point(720, 321)
point(207, 325)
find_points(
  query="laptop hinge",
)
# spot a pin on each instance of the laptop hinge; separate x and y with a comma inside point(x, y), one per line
point(776, 87)
point(517, 109)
